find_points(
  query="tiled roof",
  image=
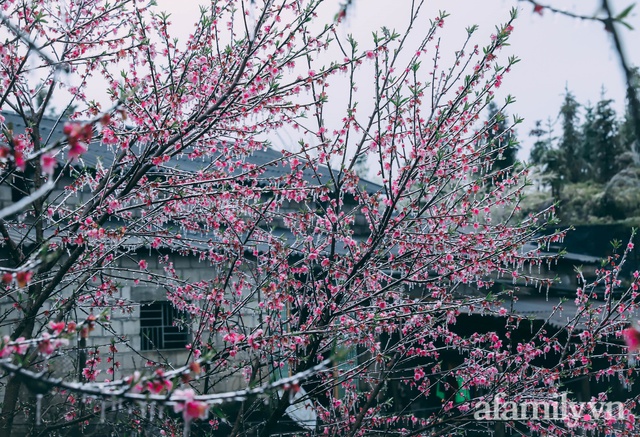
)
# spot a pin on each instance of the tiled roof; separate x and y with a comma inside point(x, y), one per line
point(267, 158)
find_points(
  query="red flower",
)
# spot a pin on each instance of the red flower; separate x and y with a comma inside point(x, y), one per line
point(7, 278)
point(23, 278)
point(538, 9)
point(71, 327)
point(195, 367)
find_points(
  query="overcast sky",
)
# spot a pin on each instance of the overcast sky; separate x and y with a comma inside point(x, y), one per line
point(555, 51)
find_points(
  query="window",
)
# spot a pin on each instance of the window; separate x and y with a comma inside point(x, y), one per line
point(162, 327)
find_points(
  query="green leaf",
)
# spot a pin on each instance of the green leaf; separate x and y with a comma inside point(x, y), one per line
point(625, 12)
point(627, 25)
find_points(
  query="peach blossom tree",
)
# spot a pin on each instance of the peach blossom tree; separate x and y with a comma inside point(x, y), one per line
point(332, 300)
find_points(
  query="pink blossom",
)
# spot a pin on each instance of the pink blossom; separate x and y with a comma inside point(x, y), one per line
point(252, 340)
point(191, 408)
point(77, 134)
point(18, 158)
point(233, 337)
point(57, 327)
point(46, 346)
point(195, 410)
point(632, 339)
point(76, 150)
point(20, 346)
point(159, 385)
point(48, 164)
point(7, 349)
point(90, 374)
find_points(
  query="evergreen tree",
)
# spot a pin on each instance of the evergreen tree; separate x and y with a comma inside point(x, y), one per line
point(589, 147)
point(570, 145)
point(542, 144)
point(602, 146)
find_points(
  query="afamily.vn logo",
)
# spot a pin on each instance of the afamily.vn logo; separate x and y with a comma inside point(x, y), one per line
point(562, 409)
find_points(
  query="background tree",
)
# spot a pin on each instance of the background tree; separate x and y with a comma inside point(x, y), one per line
point(570, 141)
point(164, 172)
point(611, 22)
point(606, 190)
point(602, 147)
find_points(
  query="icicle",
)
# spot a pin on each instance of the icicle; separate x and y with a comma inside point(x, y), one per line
point(187, 428)
point(103, 413)
point(547, 296)
point(38, 408)
point(152, 411)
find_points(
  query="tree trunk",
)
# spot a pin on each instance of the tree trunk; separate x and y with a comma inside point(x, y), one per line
point(11, 395)
point(12, 391)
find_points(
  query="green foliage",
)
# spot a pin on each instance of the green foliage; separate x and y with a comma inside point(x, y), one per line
point(592, 168)
point(602, 144)
point(621, 197)
point(570, 145)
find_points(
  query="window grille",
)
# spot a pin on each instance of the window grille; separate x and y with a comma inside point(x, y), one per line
point(161, 327)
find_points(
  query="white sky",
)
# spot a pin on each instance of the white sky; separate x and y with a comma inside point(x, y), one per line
point(555, 51)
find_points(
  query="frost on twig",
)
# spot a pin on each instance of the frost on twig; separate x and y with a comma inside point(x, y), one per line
point(128, 393)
